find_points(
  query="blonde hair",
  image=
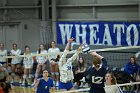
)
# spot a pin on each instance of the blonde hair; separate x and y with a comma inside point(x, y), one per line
point(113, 81)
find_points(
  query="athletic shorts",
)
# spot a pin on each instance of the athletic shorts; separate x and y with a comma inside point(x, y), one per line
point(28, 66)
point(97, 90)
point(66, 86)
point(3, 63)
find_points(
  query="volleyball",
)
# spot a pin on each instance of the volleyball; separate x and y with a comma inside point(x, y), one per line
point(85, 48)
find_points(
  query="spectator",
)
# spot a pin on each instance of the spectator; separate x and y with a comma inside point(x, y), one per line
point(28, 64)
point(16, 62)
point(53, 62)
point(80, 70)
point(111, 80)
point(3, 53)
point(41, 62)
point(132, 67)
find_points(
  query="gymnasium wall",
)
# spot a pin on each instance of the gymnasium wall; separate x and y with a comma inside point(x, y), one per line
point(27, 17)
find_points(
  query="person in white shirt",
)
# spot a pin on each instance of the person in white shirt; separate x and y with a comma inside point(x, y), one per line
point(3, 52)
point(53, 62)
point(41, 61)
point(111, 80)
point(65, 68)
point(15, 62)
point(28, 64)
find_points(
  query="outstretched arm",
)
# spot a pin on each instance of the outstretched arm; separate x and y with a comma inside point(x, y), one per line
point(63, 57)
point(96, 55)
point(75, 56)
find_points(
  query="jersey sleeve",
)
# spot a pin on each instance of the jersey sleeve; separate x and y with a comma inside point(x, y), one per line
point(63, 58)
point(104, 62)
point(73, 58)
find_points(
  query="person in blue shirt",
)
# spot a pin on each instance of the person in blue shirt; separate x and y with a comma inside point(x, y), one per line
point(44, 84)
point(96, 74)
point(131, 67)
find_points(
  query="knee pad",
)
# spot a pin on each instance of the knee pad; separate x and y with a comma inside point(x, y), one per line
point(24, 76)
point(36, 75)
point(30, 75)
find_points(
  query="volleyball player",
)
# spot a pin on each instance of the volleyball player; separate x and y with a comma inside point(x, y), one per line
point(16, 62)
point(53, 63)
point(28, 64)
point(96, 74)
point(65, 68)
point(44, 84)
point(3, 52)
point(41, 61)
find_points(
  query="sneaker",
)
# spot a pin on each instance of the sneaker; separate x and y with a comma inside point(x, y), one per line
point(20, 81)
point(12, 81)
point(33, 83)
point(23, 83)
point(57, 83)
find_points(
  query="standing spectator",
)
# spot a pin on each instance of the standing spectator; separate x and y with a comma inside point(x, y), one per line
point(96, 74)
point(3, 53)
point(28, 64)
point(44, 84)
point(111, 80)
point(53, 62)
point(65, 68)
point(41, 61)
point(16, 62)
point(80, 70)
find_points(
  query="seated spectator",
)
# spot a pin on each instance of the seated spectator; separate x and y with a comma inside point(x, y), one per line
point(4, 78)
point(132, 67)
point(111, 80)
point(80, 70)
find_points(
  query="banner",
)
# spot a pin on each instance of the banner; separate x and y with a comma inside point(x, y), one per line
point(100, 33)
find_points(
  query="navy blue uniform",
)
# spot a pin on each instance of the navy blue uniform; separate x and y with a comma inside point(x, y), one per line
point(44, 86)
point(96, 78)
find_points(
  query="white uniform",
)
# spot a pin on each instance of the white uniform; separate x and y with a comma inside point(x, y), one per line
point(16, 53)
point(113, 89)
point(54, 51)
point(2, 54)
point(66, 73)
point(41, 59)
point(28, 61)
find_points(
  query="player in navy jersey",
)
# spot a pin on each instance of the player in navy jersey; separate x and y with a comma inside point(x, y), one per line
point(44, 84)
point(96, 74)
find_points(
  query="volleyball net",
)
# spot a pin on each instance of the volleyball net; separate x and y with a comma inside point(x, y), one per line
point(117, 57)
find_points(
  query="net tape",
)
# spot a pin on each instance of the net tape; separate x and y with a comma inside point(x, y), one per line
point(71, 52)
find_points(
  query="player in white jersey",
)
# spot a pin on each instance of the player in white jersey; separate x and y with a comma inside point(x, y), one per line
point(53, 62)
point(65, 68)
point(28, 64)
point(3, 52)
point(15, 62)
point(41, 61)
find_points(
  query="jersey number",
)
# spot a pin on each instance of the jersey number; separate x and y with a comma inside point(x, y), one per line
point(97, 80)
point(69, 67)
